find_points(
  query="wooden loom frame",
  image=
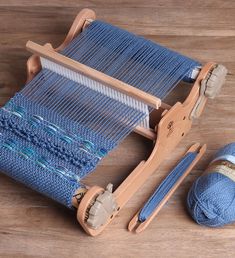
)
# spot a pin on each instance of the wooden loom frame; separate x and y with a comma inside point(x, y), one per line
point(175, 121)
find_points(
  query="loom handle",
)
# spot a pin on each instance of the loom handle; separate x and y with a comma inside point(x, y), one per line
point(135, 224)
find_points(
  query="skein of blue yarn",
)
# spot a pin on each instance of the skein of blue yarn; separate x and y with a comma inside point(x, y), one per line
point(211, 199)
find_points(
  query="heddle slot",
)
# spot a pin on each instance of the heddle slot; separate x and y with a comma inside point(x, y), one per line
point(93, 74)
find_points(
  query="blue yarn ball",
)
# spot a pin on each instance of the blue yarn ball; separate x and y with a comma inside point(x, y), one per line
point(211, 199)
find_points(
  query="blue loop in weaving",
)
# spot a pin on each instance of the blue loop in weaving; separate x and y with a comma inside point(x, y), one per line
point(165, 187)
point(56, 130)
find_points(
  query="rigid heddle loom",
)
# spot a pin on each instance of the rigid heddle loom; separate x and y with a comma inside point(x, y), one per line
point(84, 97)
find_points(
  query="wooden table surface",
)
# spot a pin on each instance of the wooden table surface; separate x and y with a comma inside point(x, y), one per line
point(34, 226)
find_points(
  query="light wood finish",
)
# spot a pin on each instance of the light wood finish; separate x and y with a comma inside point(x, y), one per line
point(148, 133)
point(111, 82)
point(135, 225)
point(173, 126)
point(33, 226)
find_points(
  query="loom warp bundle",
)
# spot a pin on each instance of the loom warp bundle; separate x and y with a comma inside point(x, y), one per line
point(69, 116)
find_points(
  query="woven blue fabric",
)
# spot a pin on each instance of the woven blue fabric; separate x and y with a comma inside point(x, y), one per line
point(34, 176)
point(211, 199)
point(68, 160)
point(164, 188)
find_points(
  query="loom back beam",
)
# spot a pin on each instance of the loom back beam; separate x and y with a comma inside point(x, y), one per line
point(82, 98)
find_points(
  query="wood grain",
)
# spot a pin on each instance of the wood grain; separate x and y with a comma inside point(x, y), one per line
point(34, 226)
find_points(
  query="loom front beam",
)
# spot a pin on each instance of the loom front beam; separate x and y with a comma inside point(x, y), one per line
point(97, 207)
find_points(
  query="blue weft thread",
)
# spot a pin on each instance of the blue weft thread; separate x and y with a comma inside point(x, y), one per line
point(167, 184)
point(67, 127)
